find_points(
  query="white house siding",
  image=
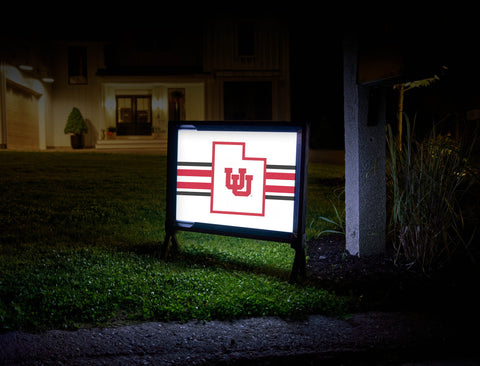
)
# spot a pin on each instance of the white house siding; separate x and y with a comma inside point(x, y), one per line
point(96, 99)
point(204, 91)
point(157, 87)
point(87, 98)
point(270, 62)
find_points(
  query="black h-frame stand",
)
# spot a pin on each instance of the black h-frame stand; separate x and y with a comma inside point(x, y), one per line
point(297, 241)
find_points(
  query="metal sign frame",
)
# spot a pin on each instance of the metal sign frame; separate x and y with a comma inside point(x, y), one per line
point(296, 236)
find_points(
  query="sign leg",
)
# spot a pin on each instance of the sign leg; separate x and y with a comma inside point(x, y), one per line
point(169, 238)
point(299, 264)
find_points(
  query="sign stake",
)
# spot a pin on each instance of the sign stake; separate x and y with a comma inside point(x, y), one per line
point(169, 238)
point(299, 267)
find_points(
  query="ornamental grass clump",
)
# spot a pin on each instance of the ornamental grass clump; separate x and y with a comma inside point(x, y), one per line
point(426, 180)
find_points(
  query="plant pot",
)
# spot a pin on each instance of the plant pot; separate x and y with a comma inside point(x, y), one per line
point(77, 141)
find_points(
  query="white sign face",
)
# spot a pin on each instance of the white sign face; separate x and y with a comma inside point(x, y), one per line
point(237, 178)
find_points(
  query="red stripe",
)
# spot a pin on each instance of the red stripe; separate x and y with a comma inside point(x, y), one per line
point(208, 173)
point(272, 189)
point(194, 185)
point(284, 176)
point(279, 189)
point(194, 173)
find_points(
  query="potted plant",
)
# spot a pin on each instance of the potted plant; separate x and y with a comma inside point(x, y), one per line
point(77, 127)
point(112, 133)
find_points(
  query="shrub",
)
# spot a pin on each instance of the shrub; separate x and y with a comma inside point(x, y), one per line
point(425, 181)
point(75, 123)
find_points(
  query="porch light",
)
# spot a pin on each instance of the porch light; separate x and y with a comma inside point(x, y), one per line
point(48, 79)
point(25, 67)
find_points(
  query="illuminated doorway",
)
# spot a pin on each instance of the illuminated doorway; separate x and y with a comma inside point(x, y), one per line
point(134, 115)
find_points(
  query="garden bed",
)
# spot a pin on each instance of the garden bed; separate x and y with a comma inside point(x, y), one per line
point(379, 284)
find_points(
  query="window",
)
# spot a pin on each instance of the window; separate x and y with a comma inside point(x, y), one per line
point(247, 101)
point(134, 115)
point(124, 109)
point(77, 65)
point(246, 39)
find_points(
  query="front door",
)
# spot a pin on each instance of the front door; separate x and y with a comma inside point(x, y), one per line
point(134, 115)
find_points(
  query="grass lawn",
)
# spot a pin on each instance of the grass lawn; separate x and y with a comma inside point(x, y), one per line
point(80, 235)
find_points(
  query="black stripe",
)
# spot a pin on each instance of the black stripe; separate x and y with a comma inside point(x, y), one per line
point(207, 194)
point(283, 198)
point(269, 166)
point(185, 163)
point(185, 193)
point(288, 167)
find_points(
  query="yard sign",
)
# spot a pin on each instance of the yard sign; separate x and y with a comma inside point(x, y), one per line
point(239, 179)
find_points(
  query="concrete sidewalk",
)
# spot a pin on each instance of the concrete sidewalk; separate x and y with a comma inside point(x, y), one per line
point(373, 338)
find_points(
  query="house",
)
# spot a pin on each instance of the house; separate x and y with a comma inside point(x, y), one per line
point(136, 79)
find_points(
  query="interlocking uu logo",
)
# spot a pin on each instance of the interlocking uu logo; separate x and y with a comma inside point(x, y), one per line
point(236, 182)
